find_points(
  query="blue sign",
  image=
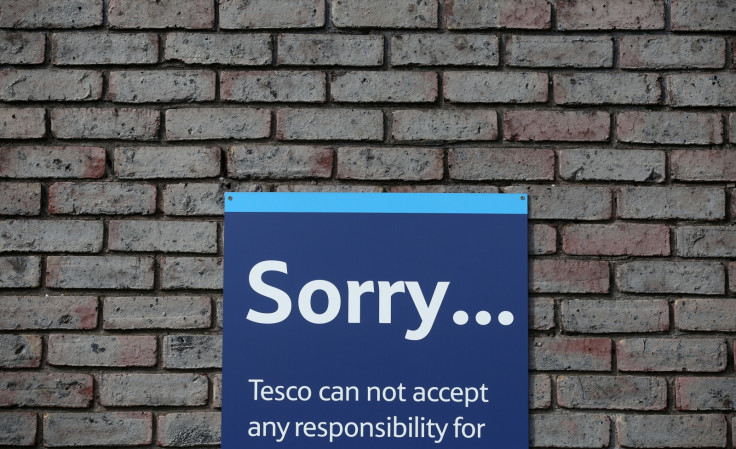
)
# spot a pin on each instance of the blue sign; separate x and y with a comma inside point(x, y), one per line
point(359, 320)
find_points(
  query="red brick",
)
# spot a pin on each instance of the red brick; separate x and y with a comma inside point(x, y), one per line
point(619, 239)
point(45, 390)
point(672, 354)
point(669, 127)
point(99, 350)
point(20, 198)
point(703, 165)
point(22, 123)
point(610, 14)
point(569, 276)
point(52, 162)
point(481, 14)
point(576, 354)
point(582, 430)
point(574, 126)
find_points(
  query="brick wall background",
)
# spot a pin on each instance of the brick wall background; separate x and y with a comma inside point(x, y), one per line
point(123, 121)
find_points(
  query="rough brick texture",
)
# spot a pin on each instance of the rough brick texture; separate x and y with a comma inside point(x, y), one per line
point(124, 122)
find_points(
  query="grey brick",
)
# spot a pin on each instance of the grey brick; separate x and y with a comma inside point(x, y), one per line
point(559, 51)
point(270, 86)
point(612, 392)
point(21, 48)
point(201, 198)
point(51, 14)
point(216, 390)
point(549, 125)
point(45, 390)
point(597, 15)
point(120, 272)
point(85, 48)
point(194, 14)
point(18, 429)
point(329, 124)
point(162, 86)
point(541, 313)
point(236, 14)
point(701, 89)
point(218, 310)
point(389, 163)
point(444, 125)
point(562, 354)
point(392, 87)
point(20, 198)
point(669, 127)
point(192, 351)
point(97, 429)
point(48, 312)
point(444, 49)
point(705, 393)
point(20, 271)
point(385, 14)
point(663, 276)
point(166, 162)
point(704, 165)
point(566, 202)
point(20, 351)
point(191, 272)
point(314, 187)
point(542, 239)
point(683, 431)
point(569, 276)
point(330, 49)
point(501, 163)
point(495, 87)
point(105, 123)
point(614, 316)
point(22, 123)
point(706, 314)
point(482, 14)
point(607, 88)
point(672, 354)
point(213, 48)
point(217, 123)
point(50, 85)
point(189, 429)
point(703, 15)
point(706, 241)
point(101, 350)
point(125, 390)
point(167, 236)
point(433, 188)
point(616, 239)
point(569, 430)
point(51, 236)
point(540, 391)
point(672, 52)
point(279, 161)
point(675, 202)
point(102, 198)
point(601, 164)
point(158, 312)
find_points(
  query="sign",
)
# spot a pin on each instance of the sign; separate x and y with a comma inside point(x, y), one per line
point(360, 320)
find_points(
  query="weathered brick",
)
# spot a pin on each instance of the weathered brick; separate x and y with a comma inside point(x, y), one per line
point(45, 390)
point(330, 49)
point(20, 351)
point(125, 390)
point(120, 272)
point(105, 123)
point(329, 124)
point(701, 89)
point(444, 49)
point(672, 52)
point(192, 351)
point(385, 14)
point(201, 198)
point(391, 87)
point(425, 188)
point(213, 48)
point(495, 87)
point(195, 14)
point(444, 125)
point(672, 354)
point(732, 277)
point(706, 241)
point(703, 165)
point(50, 85)
point(314, 187)
point(669, 127)
point(51, 236)
point(732, 127)
point(389, 163)
point(705, 314)
point(117, 198)
point(612, 392)
point(614, 316)
point(218, 310)
point(610, 14)
point(705, 393)
point(216, 390)
point(22, 123)
point(683, 431)
point(617, 239)
point(236, 14)
point(48, 312)
point(20, 198)
point(167, 236)
point(541, 313)
point(20, 271)
point(573, 126)
point(279, 161)
point(162, 86)
point(573, 430)
point(568, 276)
point(52, 162)
point(565, 202)
point(703, 15)
point(159, 312)
point(101, 350)
point(166, 162)
point(601, 164)
point(474, 14)
point(85, 48)
point(672, 202)
point(494, 164)
point(540, 391)
point(559, 51)
point(217, 123)
point(542, 239)
point(189, 429)
point(18, 429)
point(607, 88)
point(270, 86)
point(663, 276)
point(51, 14)
point(97, 429)
point(21, 48)
point(191, 272)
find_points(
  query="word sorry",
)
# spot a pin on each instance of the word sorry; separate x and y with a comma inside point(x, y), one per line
point(427, 310)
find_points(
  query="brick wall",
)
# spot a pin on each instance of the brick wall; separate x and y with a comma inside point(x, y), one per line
point(123, 121)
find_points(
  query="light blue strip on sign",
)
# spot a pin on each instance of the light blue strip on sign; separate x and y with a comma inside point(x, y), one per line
point(387, 203)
